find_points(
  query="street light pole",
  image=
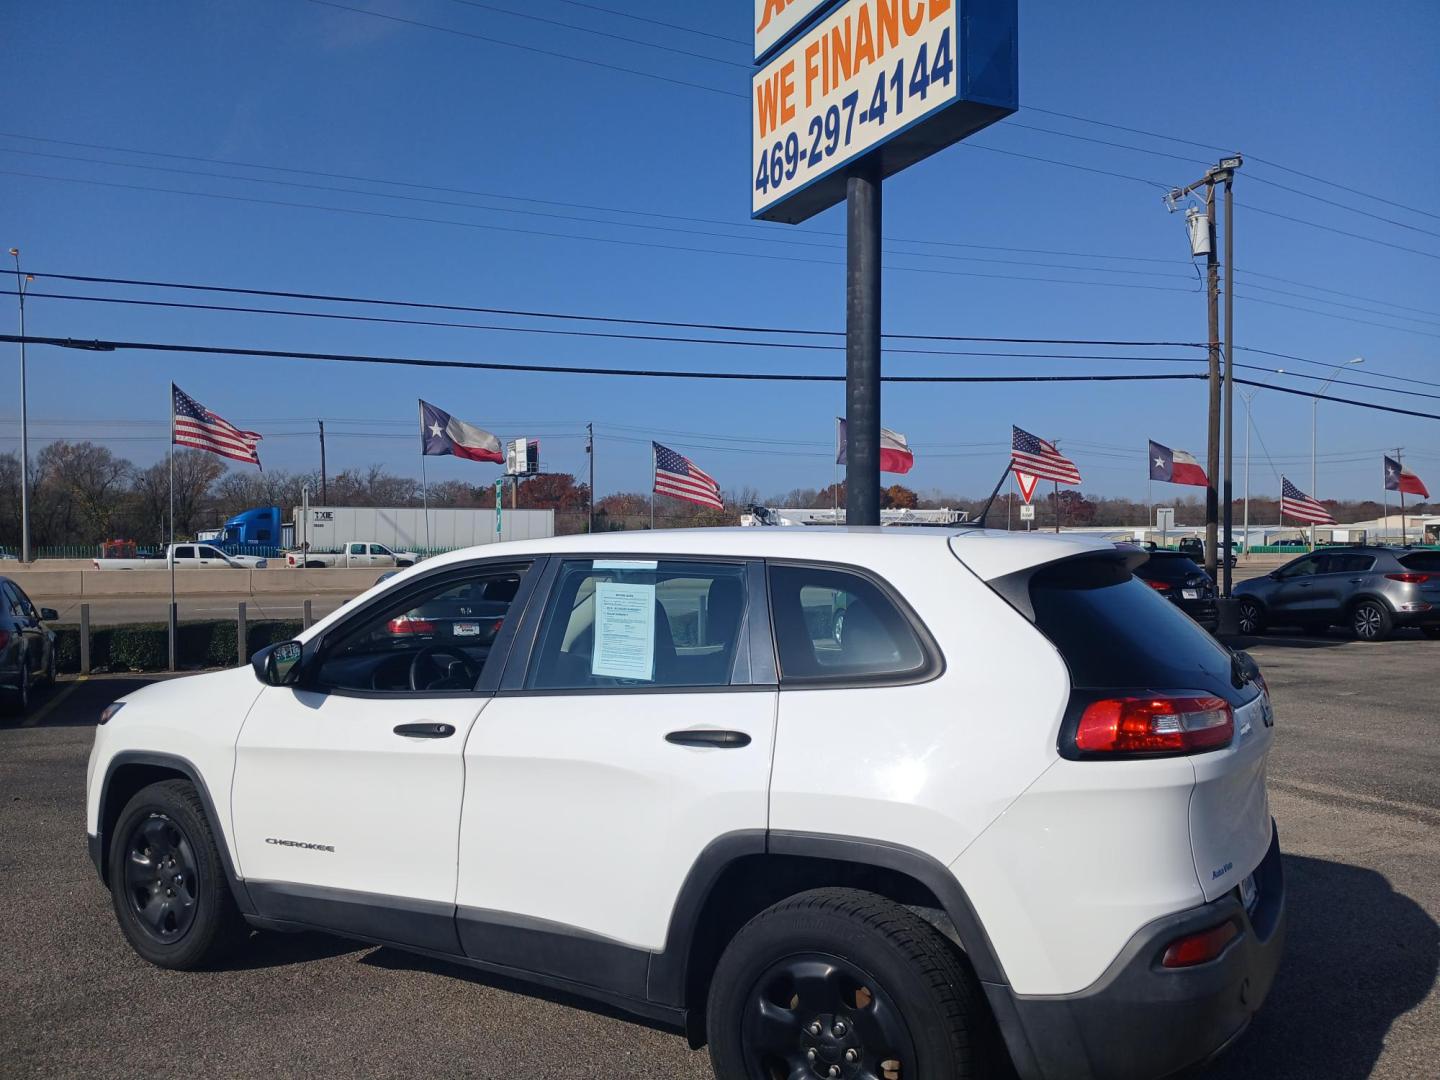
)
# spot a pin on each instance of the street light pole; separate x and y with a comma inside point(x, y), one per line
point(1314, 427)
point(20, 282)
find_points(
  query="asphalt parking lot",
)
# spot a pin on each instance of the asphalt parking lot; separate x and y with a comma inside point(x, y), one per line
point(1355, 787)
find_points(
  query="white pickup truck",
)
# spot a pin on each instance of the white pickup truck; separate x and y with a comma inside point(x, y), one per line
point(186, 557)
point(359, 554)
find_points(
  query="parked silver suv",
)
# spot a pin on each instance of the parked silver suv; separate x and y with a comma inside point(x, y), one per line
point(1371, 590)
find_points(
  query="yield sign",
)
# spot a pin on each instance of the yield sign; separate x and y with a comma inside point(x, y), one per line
point(1027, 485)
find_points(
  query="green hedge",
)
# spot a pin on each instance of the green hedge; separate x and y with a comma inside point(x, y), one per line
point(143, 646)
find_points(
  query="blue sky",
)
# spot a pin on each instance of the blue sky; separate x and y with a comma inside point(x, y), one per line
point(1322, 87)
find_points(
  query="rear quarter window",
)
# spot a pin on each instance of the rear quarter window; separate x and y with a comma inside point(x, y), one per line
point(1115, 632)
point(1421, 560)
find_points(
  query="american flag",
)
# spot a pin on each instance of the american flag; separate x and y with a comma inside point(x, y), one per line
point(196, 426)
point(1039, 458)
point(680, 478)
point(1296, 504)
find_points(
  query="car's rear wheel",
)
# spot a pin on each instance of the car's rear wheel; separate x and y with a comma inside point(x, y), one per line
point(1252, 619)
point(843, 983)
point(167, 880)
point(1370, 621)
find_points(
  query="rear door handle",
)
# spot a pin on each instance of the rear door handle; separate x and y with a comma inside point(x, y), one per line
point(1357, 581)
point(726, 740)
point(425, 730)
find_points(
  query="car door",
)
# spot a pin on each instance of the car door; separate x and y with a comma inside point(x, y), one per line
point(185, 558)
point(637, 731)
point(1345, 573)
point(1295, 595)
point(380, 555)
point(25, 625)
point(211, 557)
point(356, 556)
point(348, 785)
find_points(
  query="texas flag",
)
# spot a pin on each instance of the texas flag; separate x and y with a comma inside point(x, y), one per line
point(441, 433)
point(1399, 478)
point(895, 455)
point(1175, 466)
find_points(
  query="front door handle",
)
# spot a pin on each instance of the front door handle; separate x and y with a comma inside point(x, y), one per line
point(426, 730)
point(725, 740)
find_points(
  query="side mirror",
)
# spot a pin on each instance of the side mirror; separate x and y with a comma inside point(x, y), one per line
point(49, 614)
point(278, 664)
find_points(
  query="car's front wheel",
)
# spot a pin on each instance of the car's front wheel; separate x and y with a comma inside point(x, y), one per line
point(1370, 620)
point(843, 983)
point(167, 880)
point(1252, 619)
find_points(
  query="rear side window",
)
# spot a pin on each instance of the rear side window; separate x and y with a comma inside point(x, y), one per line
point(1349, 564)
point(1421, 560)
point(640, 624)
point(1115, 632)
point(184, 553)
point(838, 626)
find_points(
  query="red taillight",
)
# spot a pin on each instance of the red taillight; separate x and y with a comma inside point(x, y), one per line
point(4, 638)
point(409, 624)
point(1162, 724)
point(1158, 586)
point(1199, 948)
point(1410, 579)
point(495, 627)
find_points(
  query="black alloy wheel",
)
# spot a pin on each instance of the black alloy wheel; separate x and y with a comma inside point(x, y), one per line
point(1250, 618)
point(818, 1015)
point(162, 883)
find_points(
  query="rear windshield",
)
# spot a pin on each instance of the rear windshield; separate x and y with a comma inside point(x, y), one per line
point(1164, 567)
point(1115, 632)
point(1421, 560)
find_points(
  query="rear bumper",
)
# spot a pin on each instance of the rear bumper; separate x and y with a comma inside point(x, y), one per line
point(1140, 1021)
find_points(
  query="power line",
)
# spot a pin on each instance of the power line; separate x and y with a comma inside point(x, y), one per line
point(1332, 229)
point(1342, 206)
point(593, 239)
point(749, 225)
point(657, 22)
point(1332, 315)
point(105, 345)
point(599, 33)
point(783, 240)
point(1328, 364)
point(1227, 150)
point(492, 40)
point(572, 316)
point(1335, 292)
point(608, 335)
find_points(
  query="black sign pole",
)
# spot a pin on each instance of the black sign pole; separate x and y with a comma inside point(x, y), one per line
point(862, 346)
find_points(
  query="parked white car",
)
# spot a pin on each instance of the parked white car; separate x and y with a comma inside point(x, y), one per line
point(839, 802)
point(186, 557)
point(357, 554)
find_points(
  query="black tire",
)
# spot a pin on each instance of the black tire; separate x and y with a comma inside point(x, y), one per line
point(1370, 621)
point(17, 702)
point(805, 976)
point(1252, 617)
point(314, 566)
point(50, 668)
point(172, 899)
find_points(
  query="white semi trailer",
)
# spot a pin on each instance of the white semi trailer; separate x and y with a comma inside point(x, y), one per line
point(330, 528)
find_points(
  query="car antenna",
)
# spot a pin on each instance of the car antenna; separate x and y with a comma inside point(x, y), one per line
point(980, 518)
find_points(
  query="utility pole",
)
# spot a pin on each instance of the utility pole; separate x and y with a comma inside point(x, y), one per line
point(1204, 244)
point(862, 346)
point(323, 501)
point(590, 452)
point(1229, 165)
point(20, 282)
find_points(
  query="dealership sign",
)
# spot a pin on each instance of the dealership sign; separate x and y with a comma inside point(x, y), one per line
point(897, 79)
point(776, 20)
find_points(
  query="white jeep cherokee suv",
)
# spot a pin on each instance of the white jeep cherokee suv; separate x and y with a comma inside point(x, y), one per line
point(842, 803)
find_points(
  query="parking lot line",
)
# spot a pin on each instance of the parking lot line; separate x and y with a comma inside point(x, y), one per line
point(33, 720)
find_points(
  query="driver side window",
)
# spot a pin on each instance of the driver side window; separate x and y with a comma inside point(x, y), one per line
point(431, 638)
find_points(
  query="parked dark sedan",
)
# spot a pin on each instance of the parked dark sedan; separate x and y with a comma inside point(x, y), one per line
point(1175, 576)
point(1369, 590)
point(27, 646)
